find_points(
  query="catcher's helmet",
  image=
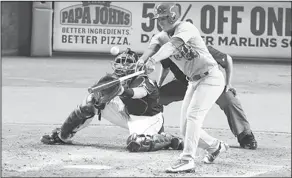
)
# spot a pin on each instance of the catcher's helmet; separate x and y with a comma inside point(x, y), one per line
point(125, 63)
point(170, 10)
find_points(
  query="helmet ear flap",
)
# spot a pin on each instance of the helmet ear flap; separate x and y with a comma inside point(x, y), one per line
point(174, 14)
point(171, 20)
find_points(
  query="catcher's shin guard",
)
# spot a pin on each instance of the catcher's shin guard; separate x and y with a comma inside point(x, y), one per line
point(142, 143)
point(53, 138)
point(78, 119)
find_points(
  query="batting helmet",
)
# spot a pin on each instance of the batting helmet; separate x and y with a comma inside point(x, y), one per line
point(170, 10)
point(125, 63)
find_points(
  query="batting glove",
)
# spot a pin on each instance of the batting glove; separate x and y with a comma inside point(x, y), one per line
point(150, 65)
point(140, 65)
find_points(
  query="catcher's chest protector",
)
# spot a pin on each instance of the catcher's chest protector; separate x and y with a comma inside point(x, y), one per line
point(148, 105)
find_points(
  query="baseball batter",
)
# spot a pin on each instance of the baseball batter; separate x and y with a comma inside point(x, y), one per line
point(133, 105)
point(182, 43)
point(228, 102)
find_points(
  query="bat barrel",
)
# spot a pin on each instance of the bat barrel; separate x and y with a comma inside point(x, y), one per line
point(114, 82)
point(103, 86)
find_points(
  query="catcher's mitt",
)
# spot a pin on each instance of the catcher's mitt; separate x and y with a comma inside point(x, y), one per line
point(107, 94)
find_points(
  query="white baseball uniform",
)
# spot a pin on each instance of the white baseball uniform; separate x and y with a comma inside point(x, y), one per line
point(194, 59)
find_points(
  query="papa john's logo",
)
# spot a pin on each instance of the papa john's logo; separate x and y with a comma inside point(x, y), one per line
point(97, 14)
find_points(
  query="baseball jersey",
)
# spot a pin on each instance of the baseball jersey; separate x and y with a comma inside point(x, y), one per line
point(178, 74)
point(146, 106)
point(192, 57)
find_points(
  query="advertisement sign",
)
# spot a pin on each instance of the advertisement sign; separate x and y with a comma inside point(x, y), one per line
point(239, 29)
point(94, 26)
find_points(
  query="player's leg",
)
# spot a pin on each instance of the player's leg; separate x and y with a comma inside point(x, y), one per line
point(168, 94)
point(115, 113)
point(147, 125)
point(159, 141)
point(186, 102)
point(147, 134)
point(78, 119)
point(207, 91)
point(237, 119)
point(144, 130)
point(212, 146)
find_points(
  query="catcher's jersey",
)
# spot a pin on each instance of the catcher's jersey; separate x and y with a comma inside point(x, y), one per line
point(192, 57)
point(148, 105)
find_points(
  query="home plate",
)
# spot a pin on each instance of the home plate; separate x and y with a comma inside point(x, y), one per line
point(93, 166)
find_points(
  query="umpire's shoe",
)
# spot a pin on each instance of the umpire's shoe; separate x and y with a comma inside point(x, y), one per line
point(248, 142)
point(213, 153)
point(182, 166)
point(53, 138)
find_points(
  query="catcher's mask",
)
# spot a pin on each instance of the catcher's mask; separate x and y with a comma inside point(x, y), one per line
point(125, 63)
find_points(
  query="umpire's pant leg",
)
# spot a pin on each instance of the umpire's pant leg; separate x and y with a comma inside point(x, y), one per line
point(234, 112)
point(171, 92)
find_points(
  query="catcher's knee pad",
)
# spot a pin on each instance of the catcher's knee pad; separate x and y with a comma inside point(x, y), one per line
point(78, 119)
point(140, 143)
point(161, 141)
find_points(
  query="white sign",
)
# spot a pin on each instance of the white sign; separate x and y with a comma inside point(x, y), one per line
point(87, 27)
point(237, 28)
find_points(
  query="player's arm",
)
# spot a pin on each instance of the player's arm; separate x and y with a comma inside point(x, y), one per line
point(139, 88)
point(162, 75)
point(228, 70)
point(137, 92)
point(152, 49)
point(167, 49)
point(225, 61)
point(165, 68)
point(185, 32)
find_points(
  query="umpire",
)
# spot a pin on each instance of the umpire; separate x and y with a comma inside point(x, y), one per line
point(228, 102)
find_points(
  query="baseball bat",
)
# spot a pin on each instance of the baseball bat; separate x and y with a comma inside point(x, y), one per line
point(114, 82)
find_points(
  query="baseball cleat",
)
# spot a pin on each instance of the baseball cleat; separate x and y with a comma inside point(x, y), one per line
point(52, 139)
point(210, 157)
point(182, 166)
point(248, 142)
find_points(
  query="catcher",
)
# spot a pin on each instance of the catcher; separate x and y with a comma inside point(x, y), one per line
point(132, 104)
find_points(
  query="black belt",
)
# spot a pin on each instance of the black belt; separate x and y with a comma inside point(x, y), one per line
point(197, 77)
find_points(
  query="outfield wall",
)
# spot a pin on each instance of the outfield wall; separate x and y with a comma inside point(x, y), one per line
point(244, 30)
point(240, 29)
point(16, 27)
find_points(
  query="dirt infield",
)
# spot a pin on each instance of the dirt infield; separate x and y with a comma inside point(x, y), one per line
point(39, 93)
point(104, 148)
